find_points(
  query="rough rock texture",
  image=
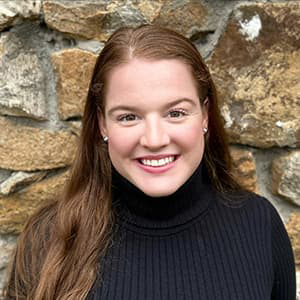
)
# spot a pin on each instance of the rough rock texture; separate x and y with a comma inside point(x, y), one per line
point(4, 174)
point(244, 168)
point(188, 17)
point(286, 176)
point(75, 127)
point(149, 9)
point(11, 12)
point(90, 19)
point(17, 207)
point(29, 149)
point(22, 82)
point(73, 69)
point(254, 66)
point(19, 180)
point(7, 245)
point(293, 228)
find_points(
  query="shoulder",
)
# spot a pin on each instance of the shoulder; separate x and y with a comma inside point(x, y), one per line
point(250, 206)
point(245, 200)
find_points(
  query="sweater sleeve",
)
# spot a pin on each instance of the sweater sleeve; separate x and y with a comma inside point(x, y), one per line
point(284, 284)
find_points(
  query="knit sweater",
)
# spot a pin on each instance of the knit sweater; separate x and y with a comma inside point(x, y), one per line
point(195, 245)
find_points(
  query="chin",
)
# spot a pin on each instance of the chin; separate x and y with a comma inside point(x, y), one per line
point(159, 192)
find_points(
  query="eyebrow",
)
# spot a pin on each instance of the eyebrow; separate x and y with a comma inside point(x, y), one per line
point(133, 108)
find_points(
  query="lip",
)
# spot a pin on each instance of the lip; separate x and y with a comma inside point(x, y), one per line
point(156, 156)
point(157, 170)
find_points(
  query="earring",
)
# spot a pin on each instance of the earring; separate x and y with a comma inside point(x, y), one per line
point(204, 130)
point(105, 138)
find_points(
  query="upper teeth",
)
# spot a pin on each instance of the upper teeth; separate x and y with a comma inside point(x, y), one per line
point(159, 162)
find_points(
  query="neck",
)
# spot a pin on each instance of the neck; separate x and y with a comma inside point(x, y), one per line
point(137, 207)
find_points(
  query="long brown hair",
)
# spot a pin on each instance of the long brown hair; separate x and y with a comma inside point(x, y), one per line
point(57, 256)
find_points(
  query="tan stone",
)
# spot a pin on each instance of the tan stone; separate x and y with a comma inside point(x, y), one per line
point(184, 16)
point(286, 176)
point(150, 9)
point(293, 229)
point(244, 168)
point(92, 20)
point(254, 67)
point(89, 19)
point(29, 149)
point(76, 18)
point(16, 208)
point(73, 69)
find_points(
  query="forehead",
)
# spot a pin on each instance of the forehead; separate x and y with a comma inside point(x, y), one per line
point(146, 81)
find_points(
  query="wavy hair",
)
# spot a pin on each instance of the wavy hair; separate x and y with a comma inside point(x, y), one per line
point(58, 253)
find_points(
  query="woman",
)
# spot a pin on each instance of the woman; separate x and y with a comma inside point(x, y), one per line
point(151, 210)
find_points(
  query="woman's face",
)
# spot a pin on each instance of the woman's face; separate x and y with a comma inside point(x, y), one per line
point(154, 123)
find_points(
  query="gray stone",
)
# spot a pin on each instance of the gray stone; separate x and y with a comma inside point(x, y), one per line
point(75, 127)
point(4, 174)
point(92, 46)
point(73, 69)
point(255, 70)
point(11, 12)
point(7, 245)
point(22, 82)
point(90, 19)
point(20, 179)
point(286, 176)
point(98, 19)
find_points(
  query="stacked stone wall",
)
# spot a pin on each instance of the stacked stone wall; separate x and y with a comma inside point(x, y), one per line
point(47, 53)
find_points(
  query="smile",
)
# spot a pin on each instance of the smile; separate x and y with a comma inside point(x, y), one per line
point(157, 162)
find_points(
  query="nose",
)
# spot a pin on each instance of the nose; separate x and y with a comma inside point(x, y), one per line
point(154, 136)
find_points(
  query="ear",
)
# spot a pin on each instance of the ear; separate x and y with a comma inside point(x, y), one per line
point(102, 123)
point(204, 108)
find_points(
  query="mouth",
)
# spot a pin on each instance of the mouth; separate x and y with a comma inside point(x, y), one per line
point(156, 163)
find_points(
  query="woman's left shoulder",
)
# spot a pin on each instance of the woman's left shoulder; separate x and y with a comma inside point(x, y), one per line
point(256, 201)
point(251, 203)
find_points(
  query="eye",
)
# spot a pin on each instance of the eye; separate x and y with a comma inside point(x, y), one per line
point(127, 118)
point(177, 113)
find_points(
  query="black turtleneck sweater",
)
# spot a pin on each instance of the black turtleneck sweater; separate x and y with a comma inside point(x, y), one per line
point(195, 245)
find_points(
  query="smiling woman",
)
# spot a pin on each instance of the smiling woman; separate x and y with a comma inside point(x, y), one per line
point(151, 210)
point(156, 141)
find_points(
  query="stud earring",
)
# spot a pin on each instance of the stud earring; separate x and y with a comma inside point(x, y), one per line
point(105, 138)
point(204, 129)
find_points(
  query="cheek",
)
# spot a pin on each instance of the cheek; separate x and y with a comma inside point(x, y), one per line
point(121, 142)
point(190, 135)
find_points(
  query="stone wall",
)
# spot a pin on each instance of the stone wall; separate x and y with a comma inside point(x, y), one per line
point(47, 52)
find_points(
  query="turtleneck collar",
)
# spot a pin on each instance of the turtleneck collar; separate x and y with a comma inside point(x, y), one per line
point(181, 207)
